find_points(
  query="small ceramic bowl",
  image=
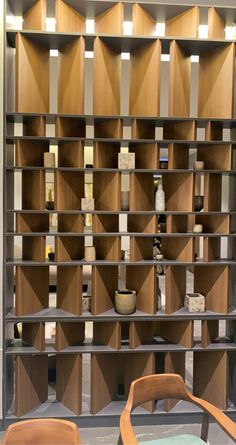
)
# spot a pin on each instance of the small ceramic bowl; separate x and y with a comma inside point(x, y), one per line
point(197, 228)
point(159, 257)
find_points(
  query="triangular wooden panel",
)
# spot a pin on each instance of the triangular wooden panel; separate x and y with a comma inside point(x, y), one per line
point(103, 380)
point(69, 289)
point(104, 285)
point(32, 289)
point(106, 79)
point(71, 77)
point(216, 24)
point(32, 74)
point(144, 23)
point(35, 16)
point(111, 20)
point(184, 24)
point(136, 366)
point(174, 364)
point(33, 190)
point(145, 65)
point(106, 190)
point(143, 281)
point(68, 19)
point(175, 288)
point(69, 189)
point(179, 83)
point(213, 283)
point(69, 381)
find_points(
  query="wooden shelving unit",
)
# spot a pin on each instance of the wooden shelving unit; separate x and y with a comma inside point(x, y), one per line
point(71, 106)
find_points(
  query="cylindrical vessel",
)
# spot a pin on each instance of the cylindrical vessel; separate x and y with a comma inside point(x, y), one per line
point(49, 160)
point(197, 228)
point(89, 253)
point(198, 165)
point(125, 301)
point(125, 200)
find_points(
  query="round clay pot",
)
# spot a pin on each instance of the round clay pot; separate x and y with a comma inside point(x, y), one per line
point(198, 203)
point(125, 301)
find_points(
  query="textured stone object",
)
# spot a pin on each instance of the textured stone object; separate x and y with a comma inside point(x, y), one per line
point(194, 302)
point(126, 161)
point(87, 204)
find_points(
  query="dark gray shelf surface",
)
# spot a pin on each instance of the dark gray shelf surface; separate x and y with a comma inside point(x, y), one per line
point(118, 234)
point(109, 212)
point(164, 262)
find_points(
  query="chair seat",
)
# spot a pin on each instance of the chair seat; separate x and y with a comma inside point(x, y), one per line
point(184, 439)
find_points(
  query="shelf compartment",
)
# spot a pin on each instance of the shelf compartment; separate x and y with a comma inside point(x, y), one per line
point(216, 24)
point(104, 285)
point(214, 131)
point(70, 223)
point(144, 24)
point(32, 289)
point(142, 129)
point(106, 189)
point(71, 154)
point(105, 223)
point(32, 73)
point(182, 249)
point(178, 156)
point(143, 281)
point(180, 130)
point(33, 334)
point(142, 224)
point(32, 222)
point(184, 24)
point(30, 153)
point(69, 248)
point(33, 248)
point(217, 224)
point(34, 126)
point(107, 334)
point(177, 223)
point(69, 334)
point(210, 332)
point(70, 127)
point(71, 77)
point(175, 282)
point(106, 154)
point(107, 248)
point(179, 84)
point(68, 19)
point(215, 99)
point(216, 157)
point(69, 381)
point(175, 187)
point(112, 374)
point(69, 190)
point(141, 248)
point(108, 128)
point(141, 192)
point(211, 248)
point(214, 282)
point(35, 16)
point(212, 192)
point(111, 20)
point(206, 378)
point(174, 363)
point(69, 289)
point(106, 79)
point(145, 82)
point(146, 155)
point(33, 190)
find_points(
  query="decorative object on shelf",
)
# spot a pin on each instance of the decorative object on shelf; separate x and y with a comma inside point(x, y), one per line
point(198, 203)
point(122, 256)
point(160, 198)
point(197, 228)
point(159, 257)
point(51, 255)
point(125, 301)
point(198, 165)
point(50, 201)
point(49, 160)
point(125, 200)
point(86, 302)
point(163, 163)
point(87, 204)
point(158, 299)
point(126, 161)
point(89, 253)
point(194, 302)
point(88, 165)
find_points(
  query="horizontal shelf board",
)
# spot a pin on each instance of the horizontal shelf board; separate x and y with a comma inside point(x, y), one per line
point(122, 43)
point(164, 262)
point(136, 170)
point(119, 234)
point(53, 314)
point(164, 142)
point(107, 212)
point(91, 118)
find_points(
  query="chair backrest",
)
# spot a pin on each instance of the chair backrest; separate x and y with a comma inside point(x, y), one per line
point(42, 432)
point(157, 387)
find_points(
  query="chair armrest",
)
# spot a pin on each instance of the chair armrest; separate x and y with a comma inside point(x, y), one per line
point(126, 429)
point(223, 421)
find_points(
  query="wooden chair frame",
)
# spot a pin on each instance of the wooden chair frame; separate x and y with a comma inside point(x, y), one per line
point(168, 386)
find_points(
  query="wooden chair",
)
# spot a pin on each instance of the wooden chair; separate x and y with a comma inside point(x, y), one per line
point(169, 386)
point(42, 432)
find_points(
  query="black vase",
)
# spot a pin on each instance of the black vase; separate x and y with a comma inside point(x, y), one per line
point(198, 203)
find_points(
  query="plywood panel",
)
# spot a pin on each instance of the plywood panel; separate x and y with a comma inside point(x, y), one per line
point(142, 224)
point(33, 222)
point(34, 335)
point(145, 80)
point(179, 83)
point(141, 192)
point(142, 129)
point(69, 189)
point(183, 131)
point(106, 154)
point(216, 157)
point(143, 281)
point(30, 153)
point(106, 79)
point(213, 283)
point(69, 248)
point(146, 155)
point(211, 248)
point(180, 332)
point(68, 19)
point(141, 248)
point(215, 97)
point(71, 77)
point(69, 381)
point(35, 16)
point(216, 24)
point(184, 24)
point(33, 190)
point(103, 381)
point(180, 250)
point(31, 382)
point(104, 285)
point(32, 289)
point(219, 224)
point(210, 331)
point(212, 192)
point(175, 187)
point(69, 289)
point(140, 333)
point(107, 248)
point(71, 154)
point(33, 248)
point(34, 126)
point(32, 73)
point(210, 368)
point(70, 127)
point(143, 23)
point(111, 20)
point(106, 189)
point(105, 223)
point(69, 334)
point(108, 334)
point(70, 223)
point(174, 364)
point(178, 156)
point(108, 128)
point(136, 366)
point(175, 288)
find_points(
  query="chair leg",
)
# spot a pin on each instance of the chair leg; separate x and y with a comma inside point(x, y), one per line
point(205, 427)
